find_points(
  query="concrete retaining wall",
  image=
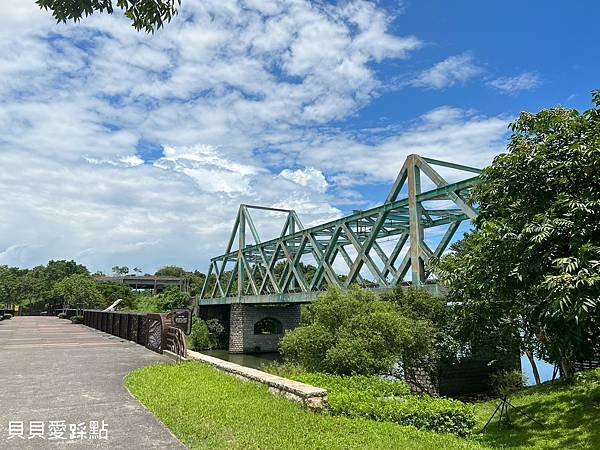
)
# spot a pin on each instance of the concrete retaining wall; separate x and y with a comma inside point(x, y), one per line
point(308, 396)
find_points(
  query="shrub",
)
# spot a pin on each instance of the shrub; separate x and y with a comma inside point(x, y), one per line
point(508, 381)
point(425, 413)
point(355, 333)
point(62, 315)
point(77, 319)
point(200, 337)
point(172, 298)
point(379, 399)
point(358, 385)
point(8, 316)
point(217, 334)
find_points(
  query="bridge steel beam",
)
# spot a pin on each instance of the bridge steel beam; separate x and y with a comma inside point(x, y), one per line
point(277, 269)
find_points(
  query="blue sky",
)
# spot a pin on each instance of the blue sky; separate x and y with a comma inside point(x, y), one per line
point(118, 147)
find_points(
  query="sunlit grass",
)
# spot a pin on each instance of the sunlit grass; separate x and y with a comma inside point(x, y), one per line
point(208, 409)
point(570, 413)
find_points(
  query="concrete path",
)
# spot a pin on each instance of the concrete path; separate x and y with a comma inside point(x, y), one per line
point(52, 370)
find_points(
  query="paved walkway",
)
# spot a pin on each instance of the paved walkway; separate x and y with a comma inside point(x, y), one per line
point(52, 370)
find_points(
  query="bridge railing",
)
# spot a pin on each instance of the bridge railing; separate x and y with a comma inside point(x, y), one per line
point(127, 325)
point(154, 331)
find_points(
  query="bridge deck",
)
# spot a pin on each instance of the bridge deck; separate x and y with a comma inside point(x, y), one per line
point(297, 297)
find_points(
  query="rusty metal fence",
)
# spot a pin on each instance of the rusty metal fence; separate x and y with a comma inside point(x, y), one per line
point(127, 325)
point(153, 331)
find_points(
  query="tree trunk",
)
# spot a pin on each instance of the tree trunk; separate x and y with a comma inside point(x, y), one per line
point(567, 370)
point(534, 368)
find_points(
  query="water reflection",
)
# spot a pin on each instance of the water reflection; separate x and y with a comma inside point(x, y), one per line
point(254, 360)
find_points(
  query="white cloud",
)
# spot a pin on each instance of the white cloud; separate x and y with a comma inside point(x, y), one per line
point(453, 70)
point(445, 133)
point(232, 94)
point(131, 160)
point(212, 172)
point(309, 177)
point(512, 85)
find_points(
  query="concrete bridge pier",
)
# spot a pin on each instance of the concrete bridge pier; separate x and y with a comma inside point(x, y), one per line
point(259, 328)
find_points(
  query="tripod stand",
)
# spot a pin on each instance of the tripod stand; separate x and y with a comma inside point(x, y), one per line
point(503, 407)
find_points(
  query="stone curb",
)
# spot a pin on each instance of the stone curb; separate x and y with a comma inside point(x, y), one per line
point(311, 397)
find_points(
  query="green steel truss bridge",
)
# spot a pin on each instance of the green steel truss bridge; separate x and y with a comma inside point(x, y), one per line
point(376, 248)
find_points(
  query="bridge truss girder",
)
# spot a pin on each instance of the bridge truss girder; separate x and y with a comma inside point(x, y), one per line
point(357, 239)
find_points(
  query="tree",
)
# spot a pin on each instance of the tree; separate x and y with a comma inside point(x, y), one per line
point(147, 15)
point(78, 290)
point(114, 291)
point(59, 269)
point(170, 271)
point(120, 270)
point(532, 264)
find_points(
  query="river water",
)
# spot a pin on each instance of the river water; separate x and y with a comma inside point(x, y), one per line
point(254, 360)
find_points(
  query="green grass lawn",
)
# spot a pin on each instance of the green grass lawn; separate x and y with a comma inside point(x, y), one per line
point(571, 414)
point(205, 408)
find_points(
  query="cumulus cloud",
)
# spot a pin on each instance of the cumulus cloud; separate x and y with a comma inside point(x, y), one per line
point(309, 177)
point(453, 70)
point(512, 85)
point(235, 99)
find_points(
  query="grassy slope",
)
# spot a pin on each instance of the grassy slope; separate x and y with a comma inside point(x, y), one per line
point(208, 409)
point(571, 414)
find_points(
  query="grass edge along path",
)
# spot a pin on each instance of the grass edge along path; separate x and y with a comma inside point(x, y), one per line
point(207, 409)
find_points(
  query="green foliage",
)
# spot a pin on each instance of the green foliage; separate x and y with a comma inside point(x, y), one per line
point(569, 411)
point(217, 333)
point(172, 298)
point(507, 382)
point(79, 289)
point(170, 271)
point(200, 336)
point(195, 278)
point(418, 304)
point(532, 266)
point(33, 288)
point(62, 315)
point(113, 291)
point(144, 302)
point(148, 15)
point(241, 416)
point(355, 333)
point(359, 386)
point(390, 401)
point(77, 319)
point(120, 270)
point(207, 335)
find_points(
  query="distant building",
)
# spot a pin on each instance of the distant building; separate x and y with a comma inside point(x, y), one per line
point(147, 283)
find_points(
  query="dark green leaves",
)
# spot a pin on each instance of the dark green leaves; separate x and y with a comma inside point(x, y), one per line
point(147, 15)
point(534, 258)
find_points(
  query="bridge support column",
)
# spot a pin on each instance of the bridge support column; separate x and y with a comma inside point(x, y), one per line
point(259, 328)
